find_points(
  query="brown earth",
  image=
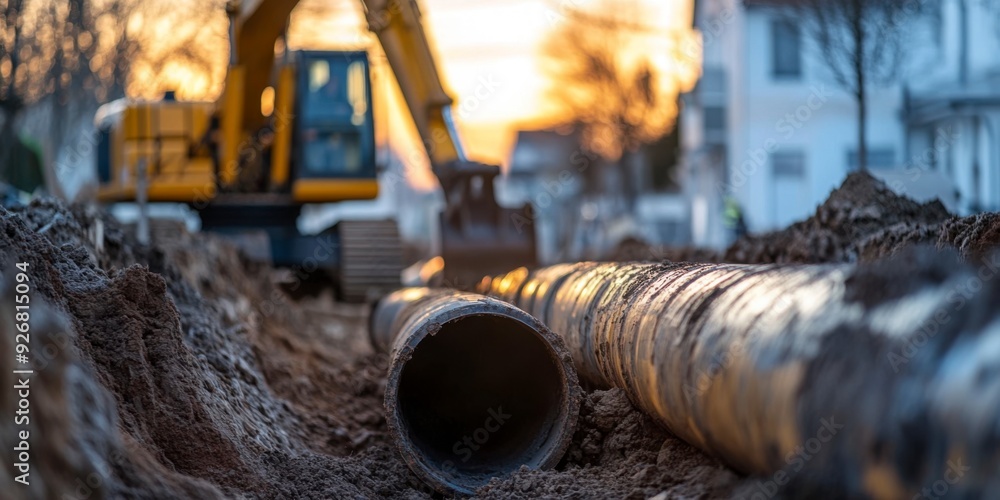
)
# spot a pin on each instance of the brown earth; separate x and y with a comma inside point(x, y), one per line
point(861, 221)
point(839, 229)
point(182, 371)
point(619, 452)
point(207, 382)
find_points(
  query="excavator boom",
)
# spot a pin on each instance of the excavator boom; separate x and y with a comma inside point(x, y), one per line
point(256, 26)
point(399, 29)
point(477, 235)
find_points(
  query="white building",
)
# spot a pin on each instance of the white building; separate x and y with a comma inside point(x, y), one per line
point(579, 201)
point(768, 125)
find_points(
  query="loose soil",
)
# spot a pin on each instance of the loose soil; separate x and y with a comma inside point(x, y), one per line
point(861, 221)
point(182, 370)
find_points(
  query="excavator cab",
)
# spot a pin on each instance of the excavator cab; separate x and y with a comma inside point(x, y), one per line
point(316, 145)
point(334, 134)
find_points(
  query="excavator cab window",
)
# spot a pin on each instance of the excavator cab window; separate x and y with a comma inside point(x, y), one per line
point(335, 130)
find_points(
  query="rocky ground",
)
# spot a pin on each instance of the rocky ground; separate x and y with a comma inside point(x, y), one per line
point(181, 370)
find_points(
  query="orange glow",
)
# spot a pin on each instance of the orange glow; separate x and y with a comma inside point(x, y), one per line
point(431, 268)
point(267, 101)
point(488, 54)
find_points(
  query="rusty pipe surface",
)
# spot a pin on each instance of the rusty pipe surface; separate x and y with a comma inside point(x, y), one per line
point(826, 379)
point(476, 387)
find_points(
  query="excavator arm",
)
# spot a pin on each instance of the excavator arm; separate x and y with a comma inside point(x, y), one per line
point(477, 235)
point(398, 26)
point(258, 25)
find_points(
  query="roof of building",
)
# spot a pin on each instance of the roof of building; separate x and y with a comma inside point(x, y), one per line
point(537, 150)
point(940, 100)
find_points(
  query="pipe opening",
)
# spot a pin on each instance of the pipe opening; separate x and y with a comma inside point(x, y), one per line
point(481, 397)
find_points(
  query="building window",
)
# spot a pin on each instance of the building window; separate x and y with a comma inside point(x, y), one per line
point(878, 158)
point(788, 163)
point(715, 119)
point(786, 49)
point(713, 80)
point(790, 200)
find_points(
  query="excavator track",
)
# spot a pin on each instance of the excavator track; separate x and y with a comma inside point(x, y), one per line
point(371, 259)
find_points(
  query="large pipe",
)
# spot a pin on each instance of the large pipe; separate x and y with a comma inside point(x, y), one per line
point(827, 379)
point(476, 387)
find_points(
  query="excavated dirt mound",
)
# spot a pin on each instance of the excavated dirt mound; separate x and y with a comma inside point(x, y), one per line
point(619, 452)
point(157, 381)
point(861, 221)
point(859, 208)
point(974, 237)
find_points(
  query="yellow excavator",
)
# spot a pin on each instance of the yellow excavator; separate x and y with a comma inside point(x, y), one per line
point(245, 172)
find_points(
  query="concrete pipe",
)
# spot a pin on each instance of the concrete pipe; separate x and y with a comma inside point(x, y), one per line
point(823, 380)
point(476, 387)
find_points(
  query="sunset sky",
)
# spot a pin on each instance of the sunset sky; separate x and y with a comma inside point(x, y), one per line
point(498, 42)
point(492, 46)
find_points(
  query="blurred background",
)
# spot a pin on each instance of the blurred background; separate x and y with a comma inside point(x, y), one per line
point(670, 122)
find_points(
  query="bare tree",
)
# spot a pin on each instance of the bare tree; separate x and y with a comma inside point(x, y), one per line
point(58, 59)
point(13, 44)
point(604, 81)
point(61, 59)
point(195, 39)
point(862, 43)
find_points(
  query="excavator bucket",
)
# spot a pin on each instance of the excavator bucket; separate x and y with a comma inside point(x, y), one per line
point(478, 236)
